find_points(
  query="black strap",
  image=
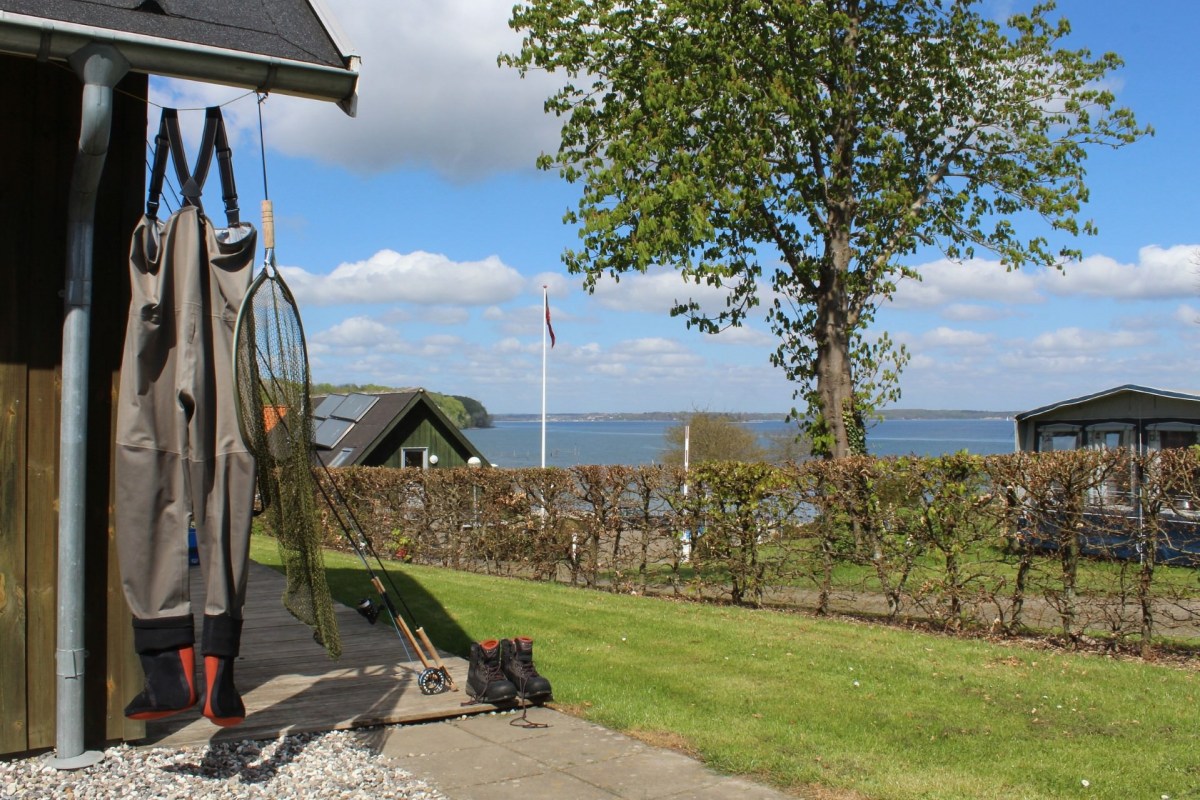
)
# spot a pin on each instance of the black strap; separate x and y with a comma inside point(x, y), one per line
point(159, 167)
point(191, 183)
point(225, 167)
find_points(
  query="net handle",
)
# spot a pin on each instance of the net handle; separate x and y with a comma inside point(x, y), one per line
point(268, 224)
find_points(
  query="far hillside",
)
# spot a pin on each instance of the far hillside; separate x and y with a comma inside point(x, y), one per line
point(465, 412)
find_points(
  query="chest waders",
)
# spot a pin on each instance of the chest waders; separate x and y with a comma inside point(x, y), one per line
point(179, 450)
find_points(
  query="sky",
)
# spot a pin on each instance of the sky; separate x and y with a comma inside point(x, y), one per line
point(418, 237)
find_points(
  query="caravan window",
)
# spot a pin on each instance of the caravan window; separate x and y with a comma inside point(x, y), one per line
point(1058, 437)
point(1110, 436)
point(1171, 435)
point(1118, 487)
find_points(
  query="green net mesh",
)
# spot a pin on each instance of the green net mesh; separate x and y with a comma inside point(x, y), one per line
point(271, 371)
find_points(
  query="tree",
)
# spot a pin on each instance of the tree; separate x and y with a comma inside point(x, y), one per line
point(795, 153)
point(711, 437)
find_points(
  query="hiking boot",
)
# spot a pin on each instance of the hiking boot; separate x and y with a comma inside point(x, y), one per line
point(516, 661)
point(485, 680)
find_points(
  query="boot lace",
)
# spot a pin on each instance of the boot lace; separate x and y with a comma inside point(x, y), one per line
point(523, 669)
point(492, 669)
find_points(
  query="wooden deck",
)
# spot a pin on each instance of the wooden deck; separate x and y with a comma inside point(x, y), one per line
point(290, 685)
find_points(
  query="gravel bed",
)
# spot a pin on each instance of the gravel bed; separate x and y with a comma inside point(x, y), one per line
point(333, 764)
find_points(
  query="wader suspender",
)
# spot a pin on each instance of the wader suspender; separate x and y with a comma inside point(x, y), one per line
point(169, 141)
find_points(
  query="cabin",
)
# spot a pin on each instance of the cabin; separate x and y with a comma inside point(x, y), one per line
point(74, 79)
point(392, 429)
point(1138, 418)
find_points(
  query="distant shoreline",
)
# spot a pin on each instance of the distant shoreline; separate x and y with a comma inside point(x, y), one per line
point(659, 416)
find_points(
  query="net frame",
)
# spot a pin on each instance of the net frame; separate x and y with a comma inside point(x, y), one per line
point(271, 376)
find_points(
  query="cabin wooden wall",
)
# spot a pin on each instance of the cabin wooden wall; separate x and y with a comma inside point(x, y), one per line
point(39, 129)
point(419, 430)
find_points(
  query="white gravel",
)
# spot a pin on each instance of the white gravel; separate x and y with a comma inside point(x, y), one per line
point(315, 765)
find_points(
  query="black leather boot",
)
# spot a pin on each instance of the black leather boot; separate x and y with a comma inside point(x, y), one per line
point(485, 680)
point(165, 648)
point(220, 643)
point(516, 661)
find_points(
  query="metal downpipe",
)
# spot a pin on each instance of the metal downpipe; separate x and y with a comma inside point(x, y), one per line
point(100, 67)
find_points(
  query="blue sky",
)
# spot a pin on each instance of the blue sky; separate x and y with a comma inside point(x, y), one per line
point(418, 236)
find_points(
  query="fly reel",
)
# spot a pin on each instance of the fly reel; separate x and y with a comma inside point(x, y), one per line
point(433, 681)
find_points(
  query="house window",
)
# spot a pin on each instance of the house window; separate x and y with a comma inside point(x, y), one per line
point(413, 457)
point(1171, 435)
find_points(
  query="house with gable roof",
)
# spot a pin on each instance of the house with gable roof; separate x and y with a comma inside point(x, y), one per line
point(391, 429)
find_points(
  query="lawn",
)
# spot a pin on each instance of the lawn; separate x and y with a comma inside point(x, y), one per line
point(827, 708)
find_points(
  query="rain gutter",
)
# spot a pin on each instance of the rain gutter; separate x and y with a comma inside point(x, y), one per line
point(21, 34)
point(100, 67)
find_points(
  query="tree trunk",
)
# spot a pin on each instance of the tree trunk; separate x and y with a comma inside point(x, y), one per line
point(835, 383)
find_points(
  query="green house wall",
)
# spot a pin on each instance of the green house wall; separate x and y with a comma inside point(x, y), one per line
point(423, 430)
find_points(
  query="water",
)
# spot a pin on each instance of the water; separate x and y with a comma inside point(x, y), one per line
point(572, 442)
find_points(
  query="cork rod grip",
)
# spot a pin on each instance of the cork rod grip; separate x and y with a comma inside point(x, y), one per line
point(268, 225)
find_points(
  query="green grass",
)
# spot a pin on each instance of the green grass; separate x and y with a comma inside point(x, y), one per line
point(824, 707)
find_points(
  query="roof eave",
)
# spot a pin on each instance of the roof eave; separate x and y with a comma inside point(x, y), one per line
point(54, 39)
point(1087, 398)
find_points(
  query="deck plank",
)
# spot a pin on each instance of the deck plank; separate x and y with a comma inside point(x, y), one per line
point(290, 685)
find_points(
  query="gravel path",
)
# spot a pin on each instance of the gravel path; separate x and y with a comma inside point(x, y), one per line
point(335, 764)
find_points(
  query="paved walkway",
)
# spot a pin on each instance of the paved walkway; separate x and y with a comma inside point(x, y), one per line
point(494, 757)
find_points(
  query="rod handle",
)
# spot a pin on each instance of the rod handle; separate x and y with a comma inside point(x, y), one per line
point(268, 224)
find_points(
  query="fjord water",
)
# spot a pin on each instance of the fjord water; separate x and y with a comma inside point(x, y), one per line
point(517, 443)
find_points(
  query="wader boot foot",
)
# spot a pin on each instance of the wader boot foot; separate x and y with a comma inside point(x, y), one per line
point(165, 648)
point(222, 701)
point(220, 643)
point(170, 684)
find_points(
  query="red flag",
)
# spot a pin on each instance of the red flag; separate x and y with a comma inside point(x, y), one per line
point(549, 327)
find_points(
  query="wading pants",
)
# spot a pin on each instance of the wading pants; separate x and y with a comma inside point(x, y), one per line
point(179, 448)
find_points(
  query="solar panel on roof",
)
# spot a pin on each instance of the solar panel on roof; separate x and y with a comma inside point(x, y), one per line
point(354, 407)
point(328, 406)
point(330, 431)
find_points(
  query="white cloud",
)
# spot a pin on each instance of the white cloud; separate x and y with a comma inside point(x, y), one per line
point(1186, 315)
point(746, 336)
point(970, 312)
point(430, 94)
point(1160, 273)
point(419, 277)
point(354, 332)
point(950, 338)
point(1077, 340)
point(945, 283)
point(656, 292)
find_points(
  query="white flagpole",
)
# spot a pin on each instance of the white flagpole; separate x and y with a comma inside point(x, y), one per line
point(545, 301)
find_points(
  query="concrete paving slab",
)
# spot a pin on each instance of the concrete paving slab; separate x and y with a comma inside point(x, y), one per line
point(557, 785)
point(729, 787)
point(454, 769)
point(408, 741)
point(647, 775)
point(562, 748)
point(495, 756)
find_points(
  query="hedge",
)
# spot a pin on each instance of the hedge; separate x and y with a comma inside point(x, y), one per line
point(1068, 544)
